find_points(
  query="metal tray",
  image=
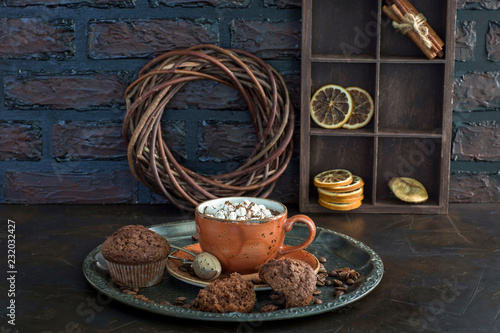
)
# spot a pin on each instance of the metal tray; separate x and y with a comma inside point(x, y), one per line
point(339, 250)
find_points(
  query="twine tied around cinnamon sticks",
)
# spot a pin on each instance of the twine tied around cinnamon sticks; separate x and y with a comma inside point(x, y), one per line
point(417, 24)
point(409, 21)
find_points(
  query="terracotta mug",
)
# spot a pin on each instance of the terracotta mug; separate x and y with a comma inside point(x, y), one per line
point(244, 246)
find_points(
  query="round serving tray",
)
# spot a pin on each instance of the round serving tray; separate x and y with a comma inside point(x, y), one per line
point(338, 249)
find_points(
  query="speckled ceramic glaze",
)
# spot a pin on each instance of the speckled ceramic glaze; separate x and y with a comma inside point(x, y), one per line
point(243, 246)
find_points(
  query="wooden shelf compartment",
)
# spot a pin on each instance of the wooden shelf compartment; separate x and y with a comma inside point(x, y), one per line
point(412, 97)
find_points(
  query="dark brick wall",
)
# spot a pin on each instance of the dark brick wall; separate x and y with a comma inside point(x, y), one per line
point(64, 65)
point(475, 166)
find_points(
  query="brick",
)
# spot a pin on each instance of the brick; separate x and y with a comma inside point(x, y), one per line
point(465, 41)
point(477, 142)
point(493, 41)
point(267, 40)
point(88, 187)
point(140, 38)
point(478, 4)
point(20, 141)
point(80, 140)
point(211, 95)
point(78, 91)
point(72, 3)
point(287, 188)
point(207, 95)
point(174, 135)
point(202, 3)
point(225, 141)
point(156, 199)
point(281, 4)
point(33, 38)
point(476, 91)
point(293, 83)
point(474, 187)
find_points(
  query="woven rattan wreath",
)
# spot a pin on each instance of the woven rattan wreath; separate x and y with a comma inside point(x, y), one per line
point(268, 101)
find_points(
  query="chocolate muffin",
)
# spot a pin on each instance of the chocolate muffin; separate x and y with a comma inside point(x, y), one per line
point(136, 256)
point(232, 294)
point(294, 281)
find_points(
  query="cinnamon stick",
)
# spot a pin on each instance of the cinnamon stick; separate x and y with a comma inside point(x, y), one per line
point(412, 34)
point(405, 9)
point(414, 11)
point(387, 11)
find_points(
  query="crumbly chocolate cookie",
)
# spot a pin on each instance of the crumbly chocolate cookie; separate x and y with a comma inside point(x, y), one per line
point(135, 244)
point(232, 294)
point(293, 280)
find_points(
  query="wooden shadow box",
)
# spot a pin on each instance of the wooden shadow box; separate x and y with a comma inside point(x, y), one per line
point(353, 43)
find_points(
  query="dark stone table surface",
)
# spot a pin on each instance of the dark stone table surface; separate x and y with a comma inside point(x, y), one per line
point(442, 272)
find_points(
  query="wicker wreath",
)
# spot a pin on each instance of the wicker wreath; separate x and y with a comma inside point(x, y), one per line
point(269, 104)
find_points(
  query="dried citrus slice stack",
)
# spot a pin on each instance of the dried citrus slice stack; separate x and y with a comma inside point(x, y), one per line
point(339, 189)
point(331, 106)
point(363, 108)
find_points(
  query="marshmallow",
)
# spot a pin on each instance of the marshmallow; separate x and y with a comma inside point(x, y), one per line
point(245, 210)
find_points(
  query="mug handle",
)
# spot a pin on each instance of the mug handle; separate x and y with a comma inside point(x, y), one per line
point(289, 225)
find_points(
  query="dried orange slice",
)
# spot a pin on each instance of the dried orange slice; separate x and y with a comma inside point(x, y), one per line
point(339, 195)
point(363, 108)
point(356, 183)
point(331, 106)
point(333, 178)
point(333, 199)
point(340, 206)
point(408, 189)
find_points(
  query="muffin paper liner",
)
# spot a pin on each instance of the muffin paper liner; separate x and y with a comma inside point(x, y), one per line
point(145, 275)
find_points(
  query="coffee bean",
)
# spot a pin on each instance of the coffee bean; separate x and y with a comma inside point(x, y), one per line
point(166, 303)
point(328, 282)
point(180, 300)
point(341, 288)
point(316, 292)
point(129, 292)
point(349, 281)
point(143, 298)
point(337, 283)
point(317, 301)
point(322, 270)
point(345, 285)
point(136, 289)
point(322, 260)
point(320, 283)
point(339, 293)
point(333, 273)
point(343, 275)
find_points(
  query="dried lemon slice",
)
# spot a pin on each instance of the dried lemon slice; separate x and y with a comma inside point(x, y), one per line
point(363, 108)
point(356, 183)
point(331, 106)
point(408, 189)
point(333, 178)
point(340, 206)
